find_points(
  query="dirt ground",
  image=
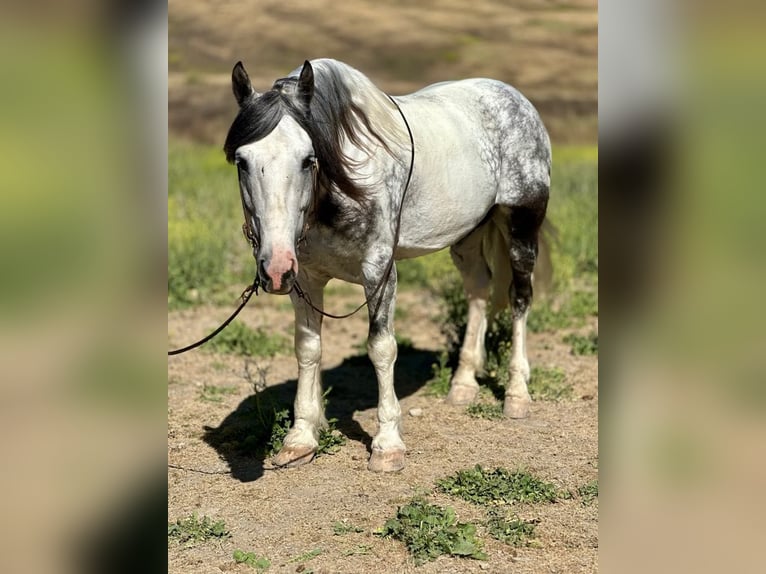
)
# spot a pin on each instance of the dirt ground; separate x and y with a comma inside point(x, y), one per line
point(285, 513)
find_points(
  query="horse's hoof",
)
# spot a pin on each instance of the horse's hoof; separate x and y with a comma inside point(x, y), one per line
point(290, 456)
point(462, 394)
point(386, 460)
point(516, 408)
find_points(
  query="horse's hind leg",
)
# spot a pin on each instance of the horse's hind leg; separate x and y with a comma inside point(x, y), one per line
point(476, 278)
point(524, 227)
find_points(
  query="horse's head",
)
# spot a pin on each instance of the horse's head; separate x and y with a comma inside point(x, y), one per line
point(276, 163)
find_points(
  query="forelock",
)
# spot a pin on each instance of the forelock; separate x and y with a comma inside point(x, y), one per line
point(258, 118)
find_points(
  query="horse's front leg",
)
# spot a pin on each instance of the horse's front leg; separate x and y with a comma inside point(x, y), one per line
point(301, 442)
point(387, 447)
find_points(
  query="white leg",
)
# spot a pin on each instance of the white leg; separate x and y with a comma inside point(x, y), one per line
point(387, 446)
point(301, 442)
point(469, 261)
point(517, 399)
point(464, 386)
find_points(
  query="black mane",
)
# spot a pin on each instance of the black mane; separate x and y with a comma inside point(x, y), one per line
point(331, 117)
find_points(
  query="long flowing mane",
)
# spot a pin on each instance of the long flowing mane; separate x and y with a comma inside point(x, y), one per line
point(346, 107)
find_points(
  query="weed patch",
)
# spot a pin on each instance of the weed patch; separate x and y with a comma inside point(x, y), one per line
point(583, 344)
point(330, 439)
point(260, 563)
point(438, 384)
point(341, 528)
point(193, 530)
point(239, 339)
point(490, 411)
point(430, 531)
point(512, 531)
point(549, 384)
point(498, 486)
point(588, 492)
point(279, 428)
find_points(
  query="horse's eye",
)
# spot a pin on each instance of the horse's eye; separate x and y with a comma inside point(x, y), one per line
point(309, 162)
point(241, 164)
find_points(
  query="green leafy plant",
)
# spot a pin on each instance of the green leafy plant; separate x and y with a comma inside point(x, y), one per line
point(498, 486)
point(239, 339)
point(588, 492)
point(279, 428)
point(491, 411)
point(583, 344)
point(438, 385)
point(430, 531)
point(548, 384)
point(260, 563)
point(193, 530)
point(330, 439)
point(513, 530)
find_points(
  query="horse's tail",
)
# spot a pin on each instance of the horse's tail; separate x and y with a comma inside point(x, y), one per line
point(495, 251)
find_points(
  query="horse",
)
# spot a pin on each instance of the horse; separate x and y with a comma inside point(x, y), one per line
point(337, 180)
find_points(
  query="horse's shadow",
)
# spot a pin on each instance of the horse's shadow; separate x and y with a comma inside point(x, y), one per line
point(242, 436)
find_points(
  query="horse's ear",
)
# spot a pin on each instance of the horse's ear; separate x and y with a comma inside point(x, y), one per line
point(240, 84)
point(305, 89)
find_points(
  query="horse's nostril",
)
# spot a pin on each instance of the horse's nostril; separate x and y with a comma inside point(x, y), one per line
point(262, 270)
point(288, 276)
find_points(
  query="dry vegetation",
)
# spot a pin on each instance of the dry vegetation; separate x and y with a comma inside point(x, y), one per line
point(547, 49)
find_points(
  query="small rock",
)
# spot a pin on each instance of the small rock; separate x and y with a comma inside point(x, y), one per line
point(416, 412)
point(484, 566)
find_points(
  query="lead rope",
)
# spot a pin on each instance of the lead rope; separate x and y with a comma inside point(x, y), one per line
point(248, 292)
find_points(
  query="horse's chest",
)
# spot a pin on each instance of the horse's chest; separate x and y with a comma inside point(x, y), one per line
point(333, 255)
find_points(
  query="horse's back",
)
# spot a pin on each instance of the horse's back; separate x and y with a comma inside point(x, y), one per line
point(498, 121)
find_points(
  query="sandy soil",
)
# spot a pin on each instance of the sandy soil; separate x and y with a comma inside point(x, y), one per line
point(284, 513)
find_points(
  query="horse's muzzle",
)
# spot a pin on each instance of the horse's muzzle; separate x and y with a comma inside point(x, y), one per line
point(277, 276)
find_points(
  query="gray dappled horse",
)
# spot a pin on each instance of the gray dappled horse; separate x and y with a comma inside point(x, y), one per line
point(323, 158)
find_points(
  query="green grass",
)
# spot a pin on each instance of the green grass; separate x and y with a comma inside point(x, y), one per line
point(207, 254)
point(206, 251)
point(358, 550)
point(583, 344)
point(511, 530)
point(239, 339)
point(430, 531)
point(490, 411)
point(215, 394)
point(549, 384)
point(260, 563)
point(191, 531)
point(306, 556)
point(499, 486)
